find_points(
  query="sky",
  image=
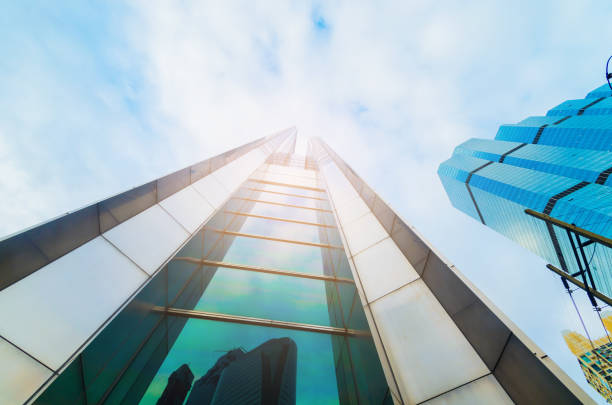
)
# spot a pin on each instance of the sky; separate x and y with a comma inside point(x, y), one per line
point(98, 97)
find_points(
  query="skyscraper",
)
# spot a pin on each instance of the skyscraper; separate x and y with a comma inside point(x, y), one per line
point(558, 165)
point(255, 244)
point(595, 358)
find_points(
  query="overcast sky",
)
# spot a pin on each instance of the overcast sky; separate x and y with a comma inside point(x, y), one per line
point(96, 99)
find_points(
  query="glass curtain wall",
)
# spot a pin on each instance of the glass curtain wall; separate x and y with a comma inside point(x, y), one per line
point(268, 269)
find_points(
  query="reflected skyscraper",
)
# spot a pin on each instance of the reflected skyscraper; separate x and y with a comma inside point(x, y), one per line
point(558, 165)
point(204, 388)
point(178, 386)
point(265, 375)
point(257, 244)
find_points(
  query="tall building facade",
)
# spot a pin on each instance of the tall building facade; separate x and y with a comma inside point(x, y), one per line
point(558, 165)
point(595, 358)
point(103, 304)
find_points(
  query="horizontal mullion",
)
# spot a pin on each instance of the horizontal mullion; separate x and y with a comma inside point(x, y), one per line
point(247, 320)
point(293, 221)
point(296, 242)
point(266, 270)
point(276, 183)
point(287, 194)
point(296, 176)
point(282, 204)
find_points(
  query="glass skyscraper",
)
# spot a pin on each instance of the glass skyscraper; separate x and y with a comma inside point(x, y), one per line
point(558, 165)
point(256, 276)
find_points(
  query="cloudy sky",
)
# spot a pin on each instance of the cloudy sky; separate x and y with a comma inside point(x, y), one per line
point(97, 98)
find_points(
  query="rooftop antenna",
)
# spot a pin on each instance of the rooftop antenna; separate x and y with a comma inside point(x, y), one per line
point(608, 74)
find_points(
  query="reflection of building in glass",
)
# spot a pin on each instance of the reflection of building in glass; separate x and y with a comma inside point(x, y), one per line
point(558, 165)
point(595, 358)
point(255, 244)
point(265, 375)
point(204, 388)
point(178, 386)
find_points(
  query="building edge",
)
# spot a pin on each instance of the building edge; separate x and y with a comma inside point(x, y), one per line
point(524, 371)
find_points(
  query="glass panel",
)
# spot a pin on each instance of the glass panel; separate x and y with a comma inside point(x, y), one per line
point(288, 179)
point(202, 343)
point(112, 350)
point(298, 214)
point(146, 348)
point(286, 189)
point(265, 253)
point(270, 296)
point(292, 200)
point(292, 171)
point(70, 384)
point(282, 230)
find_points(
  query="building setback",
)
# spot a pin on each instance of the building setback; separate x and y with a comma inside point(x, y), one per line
point(558, 165)
point(102, 305)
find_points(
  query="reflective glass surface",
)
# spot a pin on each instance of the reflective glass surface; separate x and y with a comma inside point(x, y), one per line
point(559, 165)
point(221, 320)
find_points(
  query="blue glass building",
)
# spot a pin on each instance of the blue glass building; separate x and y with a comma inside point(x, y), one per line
point(559, 165)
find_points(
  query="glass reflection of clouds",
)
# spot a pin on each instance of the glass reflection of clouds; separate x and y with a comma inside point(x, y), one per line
point(283, 230)
point(259, 252)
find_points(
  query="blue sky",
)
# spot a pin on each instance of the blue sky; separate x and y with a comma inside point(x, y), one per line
point(99, 97)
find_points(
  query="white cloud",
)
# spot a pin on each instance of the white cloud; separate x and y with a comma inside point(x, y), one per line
point(115, 98)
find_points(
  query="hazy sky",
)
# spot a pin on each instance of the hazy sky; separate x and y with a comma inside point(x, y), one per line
point(99, 98)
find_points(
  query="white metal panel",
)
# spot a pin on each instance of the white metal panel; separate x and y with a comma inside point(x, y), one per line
point(338, 186)
point(20, 375)
point(486, 391)
point(228, 176)
point(351, 210)
point(236, 172)
point(232, 174)
point(393, 388)
point(212, 190)
point(383, 268)
point(54, 310)
point(428, 353)
point(188, 207)
point(363, 233)
point(148, 238)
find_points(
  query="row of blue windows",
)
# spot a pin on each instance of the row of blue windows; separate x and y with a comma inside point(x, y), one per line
point(541, 158)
